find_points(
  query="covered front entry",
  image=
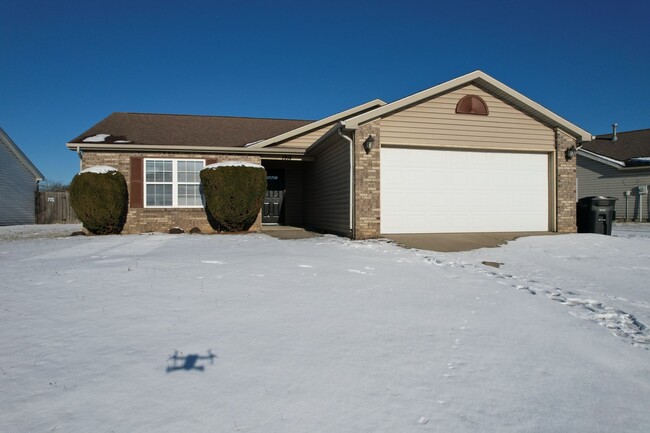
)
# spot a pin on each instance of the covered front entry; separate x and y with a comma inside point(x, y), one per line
point(454, 191)
point(283, 199)
point(274, 197)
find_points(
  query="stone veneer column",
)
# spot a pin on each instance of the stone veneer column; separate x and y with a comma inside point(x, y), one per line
point(566, 184)
point(366, 181)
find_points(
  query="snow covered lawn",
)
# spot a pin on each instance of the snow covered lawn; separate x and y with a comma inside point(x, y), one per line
point(191, 333)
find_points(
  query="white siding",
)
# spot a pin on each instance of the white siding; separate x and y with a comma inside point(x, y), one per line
point(17, 190)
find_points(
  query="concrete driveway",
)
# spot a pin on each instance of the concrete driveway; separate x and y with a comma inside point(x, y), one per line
point(443, 242)
point(454, 242)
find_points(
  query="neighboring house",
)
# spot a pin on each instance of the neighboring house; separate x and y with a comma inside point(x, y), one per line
point(468, 155)
point(18, 184)
point(616, 165)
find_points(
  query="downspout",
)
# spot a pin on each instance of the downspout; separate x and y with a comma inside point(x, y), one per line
point(351, 206)
point(555, 175)
point(81, 157)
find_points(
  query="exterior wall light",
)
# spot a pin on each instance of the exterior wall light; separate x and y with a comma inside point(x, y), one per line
point(570, 153)
point(369, 143)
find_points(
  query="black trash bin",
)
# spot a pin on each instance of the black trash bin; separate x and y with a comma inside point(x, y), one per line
point(596, 215)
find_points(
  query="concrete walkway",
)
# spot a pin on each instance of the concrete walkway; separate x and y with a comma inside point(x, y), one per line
point(287, 232)
point(454, 242)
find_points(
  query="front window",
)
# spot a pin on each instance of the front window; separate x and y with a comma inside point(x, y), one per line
point(173, 182)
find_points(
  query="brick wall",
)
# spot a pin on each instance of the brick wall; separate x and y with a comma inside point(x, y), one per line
point(366, 179)
point(142, 220)
point(566, 184)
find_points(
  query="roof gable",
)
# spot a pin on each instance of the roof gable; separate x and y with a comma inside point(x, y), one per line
point(485, 82)
point(435, 122)
point(20, 156)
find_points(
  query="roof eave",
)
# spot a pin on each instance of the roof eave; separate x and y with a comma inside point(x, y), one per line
point(134, 147)
point(602, 159)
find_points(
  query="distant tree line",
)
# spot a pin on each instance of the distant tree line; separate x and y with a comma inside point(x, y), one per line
point(53, 185)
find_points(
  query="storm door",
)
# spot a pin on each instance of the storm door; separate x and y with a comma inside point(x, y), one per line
point(272, 208)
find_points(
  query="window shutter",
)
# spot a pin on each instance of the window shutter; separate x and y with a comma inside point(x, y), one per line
point(210, 161)
point(136, 193)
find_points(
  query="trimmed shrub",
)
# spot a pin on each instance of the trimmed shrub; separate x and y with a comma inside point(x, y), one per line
point(99, 197)
point(234, 193)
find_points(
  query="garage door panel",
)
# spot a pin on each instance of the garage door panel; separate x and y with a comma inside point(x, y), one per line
point(446, 191)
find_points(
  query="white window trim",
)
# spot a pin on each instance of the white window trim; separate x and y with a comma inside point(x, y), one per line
point(174, 183)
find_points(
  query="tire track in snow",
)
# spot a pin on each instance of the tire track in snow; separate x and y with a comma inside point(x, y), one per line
point(620, 323)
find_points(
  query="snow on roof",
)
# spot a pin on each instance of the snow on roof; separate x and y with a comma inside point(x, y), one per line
point(97, 138)
point(99, 169)
point(232, 164)
point(644, 159)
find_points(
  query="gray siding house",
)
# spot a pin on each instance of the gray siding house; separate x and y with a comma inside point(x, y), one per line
point(617, 165)
point(18, 183)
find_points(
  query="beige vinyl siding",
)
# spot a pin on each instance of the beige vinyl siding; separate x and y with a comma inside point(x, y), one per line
point(294, 191)
point(596, 178)
point(17, 190)
point(327, 187)
point(434, 123)
point(306, 140)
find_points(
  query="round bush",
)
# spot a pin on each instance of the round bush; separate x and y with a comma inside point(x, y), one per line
point(99, 197)
point(234, 193)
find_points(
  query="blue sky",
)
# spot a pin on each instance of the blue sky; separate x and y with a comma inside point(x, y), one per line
point(65, 65)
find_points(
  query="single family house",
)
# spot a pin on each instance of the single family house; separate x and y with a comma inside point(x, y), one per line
point(617, 165)
point(18, 184)
point(467, 155)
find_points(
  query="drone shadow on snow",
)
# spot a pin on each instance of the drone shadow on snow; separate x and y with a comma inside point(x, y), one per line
point(188, 362)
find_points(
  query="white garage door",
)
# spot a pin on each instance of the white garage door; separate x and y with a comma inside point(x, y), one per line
point(451, 191)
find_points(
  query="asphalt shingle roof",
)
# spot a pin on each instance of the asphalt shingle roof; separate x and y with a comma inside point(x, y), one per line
point(631, 144)
point(185, 130)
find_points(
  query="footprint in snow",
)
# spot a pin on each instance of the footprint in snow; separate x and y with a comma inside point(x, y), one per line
point(527, 289)
point(357, 271)
point(619, 323)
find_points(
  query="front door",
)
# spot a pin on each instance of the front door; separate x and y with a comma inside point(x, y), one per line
point(272, 208)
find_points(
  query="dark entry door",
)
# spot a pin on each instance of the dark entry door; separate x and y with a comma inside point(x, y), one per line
point(272, 209)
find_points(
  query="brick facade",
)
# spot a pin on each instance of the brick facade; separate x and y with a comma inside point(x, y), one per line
point(566, 184)
point(142, 220)
point(367, 214)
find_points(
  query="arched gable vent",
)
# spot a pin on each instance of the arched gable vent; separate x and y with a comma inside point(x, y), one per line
point(472, 104)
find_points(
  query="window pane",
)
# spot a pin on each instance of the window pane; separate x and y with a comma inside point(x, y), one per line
point(182, 171)
point(189, 195)
point(167, 171)
point(188, 171)
point(149, 171)
point(159, 195)
point(158, 171)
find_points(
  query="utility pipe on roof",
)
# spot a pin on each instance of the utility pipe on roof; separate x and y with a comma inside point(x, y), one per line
point(351, 206)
